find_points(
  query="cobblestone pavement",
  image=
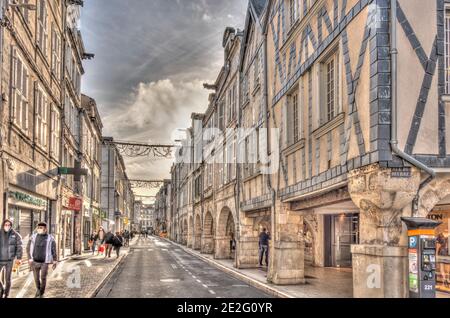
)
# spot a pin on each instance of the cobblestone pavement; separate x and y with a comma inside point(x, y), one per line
point(77, 277)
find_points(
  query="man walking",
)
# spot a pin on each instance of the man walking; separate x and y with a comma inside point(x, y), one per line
point(108, 241)
point(264, 247)
point(10, 250)
point(42, 253)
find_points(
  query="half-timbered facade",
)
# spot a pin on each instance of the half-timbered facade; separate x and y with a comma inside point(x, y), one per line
point(357, 93)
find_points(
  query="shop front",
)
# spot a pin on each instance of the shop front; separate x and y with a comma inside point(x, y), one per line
point(26, 210)
point(69, 219)
point(96, 219)
point(442, 214)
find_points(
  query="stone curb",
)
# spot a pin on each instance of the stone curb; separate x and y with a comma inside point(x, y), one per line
point(235, 273)
point(107, 276)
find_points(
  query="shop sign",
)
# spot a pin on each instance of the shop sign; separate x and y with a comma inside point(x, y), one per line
point(95, 211)
point(26, 198)
point(126, 221)
point(75, 204)
point(103, 214)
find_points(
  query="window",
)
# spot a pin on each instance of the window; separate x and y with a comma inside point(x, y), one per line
point(20, 98)
point(234, 101)
point(293, 10)
point(229, 105)
point(245, 90)
point(56, 53)
point(256, 71)
point(447, 51)
point(41, 118)
point(221, 115)
point(24, 10)
point(42, 26)
point(72, 117)
point(294, 120)
point(329, 89)
point(55, 124)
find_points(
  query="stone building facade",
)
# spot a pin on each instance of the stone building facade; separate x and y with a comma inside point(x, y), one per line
point(42, 53)
point(117, 198)
point(359, 141)
point(91, 128)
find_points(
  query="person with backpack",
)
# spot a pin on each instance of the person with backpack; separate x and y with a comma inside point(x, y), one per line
point(108, 241)
point(41, 250)
point(10, 253)
point(117, 243)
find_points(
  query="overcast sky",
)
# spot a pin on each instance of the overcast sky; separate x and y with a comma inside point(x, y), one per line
point(151, 59)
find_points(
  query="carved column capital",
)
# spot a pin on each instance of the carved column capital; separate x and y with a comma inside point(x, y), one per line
point(381, 199)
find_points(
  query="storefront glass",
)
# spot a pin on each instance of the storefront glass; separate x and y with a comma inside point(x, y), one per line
point(443, 254)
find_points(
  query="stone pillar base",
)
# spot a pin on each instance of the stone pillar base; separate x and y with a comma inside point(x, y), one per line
point(248, 253)
point(380, 271)
point(222, 249)
point(207, 244)
point(287, 263)
point(197, 243)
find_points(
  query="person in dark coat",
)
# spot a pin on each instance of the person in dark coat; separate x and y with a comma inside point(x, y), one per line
point(117, 243)
point(108, 241)
point(264, 238)
point(41, 251)
point(10, 251)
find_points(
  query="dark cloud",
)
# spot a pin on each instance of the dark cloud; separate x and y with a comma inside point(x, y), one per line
point(151, 58)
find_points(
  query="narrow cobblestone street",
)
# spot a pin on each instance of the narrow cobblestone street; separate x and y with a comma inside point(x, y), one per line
point(155, 268)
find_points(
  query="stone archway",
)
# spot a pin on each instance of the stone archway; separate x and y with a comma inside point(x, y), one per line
point(197, 232)
point(208, 234)
point(432, 194)
point(225, 235)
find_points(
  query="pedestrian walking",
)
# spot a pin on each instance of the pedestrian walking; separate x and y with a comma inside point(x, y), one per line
point(264, 238)
point(108, 241)
point(126, 236)
point(41, 251)
point(117, 243)
point(92, 242)
point(10, 254)
point(100, 237)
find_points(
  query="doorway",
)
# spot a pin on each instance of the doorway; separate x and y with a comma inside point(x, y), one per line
point(341, 232)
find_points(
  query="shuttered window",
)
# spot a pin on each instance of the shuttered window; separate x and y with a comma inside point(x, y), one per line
point(20, 97)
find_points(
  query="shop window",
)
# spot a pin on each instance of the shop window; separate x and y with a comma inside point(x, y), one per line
point(442, 250)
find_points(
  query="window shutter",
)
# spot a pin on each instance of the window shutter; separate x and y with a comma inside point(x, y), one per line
point(25, 105)
point(13, 81)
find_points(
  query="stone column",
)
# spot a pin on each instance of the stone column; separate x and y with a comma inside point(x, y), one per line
point(190, 238)
point(247, 246)
point(287, 253)
point(222, 247)
point(207, 244)
point(248, 253)
point(380, 264)
point(197, 241)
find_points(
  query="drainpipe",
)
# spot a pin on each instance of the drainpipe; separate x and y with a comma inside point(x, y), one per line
point(266, 110)
point(394, 127)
